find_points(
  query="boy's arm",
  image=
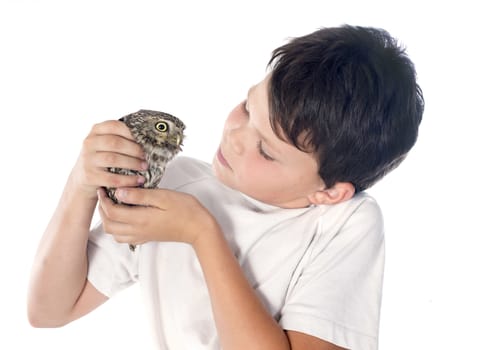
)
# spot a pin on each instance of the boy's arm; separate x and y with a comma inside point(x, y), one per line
point(59, 291)
point(163, 215)
point(241, 319)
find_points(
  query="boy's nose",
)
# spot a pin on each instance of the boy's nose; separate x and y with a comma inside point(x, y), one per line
point(236, 139)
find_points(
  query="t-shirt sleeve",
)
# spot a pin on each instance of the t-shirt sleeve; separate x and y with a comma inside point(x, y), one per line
point(338, 293)
point(112, 266)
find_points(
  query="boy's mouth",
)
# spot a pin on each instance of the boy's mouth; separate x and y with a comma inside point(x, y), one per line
point(222, 159)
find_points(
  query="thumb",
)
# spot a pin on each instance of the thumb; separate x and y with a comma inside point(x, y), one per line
point(138, 196)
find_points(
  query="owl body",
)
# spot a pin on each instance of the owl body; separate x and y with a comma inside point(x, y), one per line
point(161, 136)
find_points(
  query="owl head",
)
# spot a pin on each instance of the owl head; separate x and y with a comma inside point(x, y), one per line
point(156, 129)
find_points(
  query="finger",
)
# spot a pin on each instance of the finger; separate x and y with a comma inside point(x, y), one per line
point(104, 178)
point(121, 232)
point(113, 144)
point(117, 160)
point(143, 196)
point(114, 127)
point(104, 202)
point(109, 222)
point(109, 179)
point(132, 217)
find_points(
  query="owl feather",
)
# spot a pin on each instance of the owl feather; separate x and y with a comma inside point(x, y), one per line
point(161, 136)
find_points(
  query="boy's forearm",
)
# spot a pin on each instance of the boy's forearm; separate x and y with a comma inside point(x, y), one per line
point(241, 319)
point(60, 266)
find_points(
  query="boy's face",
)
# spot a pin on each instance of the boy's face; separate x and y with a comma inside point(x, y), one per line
point(254, 161)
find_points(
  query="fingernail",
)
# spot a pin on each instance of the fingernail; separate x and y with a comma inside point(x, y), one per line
point(144, 165)
point(141, 180)
point(120, 193)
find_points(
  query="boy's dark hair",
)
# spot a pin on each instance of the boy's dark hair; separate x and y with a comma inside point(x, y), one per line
point(348, 94)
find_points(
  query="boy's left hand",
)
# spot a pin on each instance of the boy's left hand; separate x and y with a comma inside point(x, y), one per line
point(157, 215)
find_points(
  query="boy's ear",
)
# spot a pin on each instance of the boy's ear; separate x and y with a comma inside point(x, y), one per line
point(339, 192)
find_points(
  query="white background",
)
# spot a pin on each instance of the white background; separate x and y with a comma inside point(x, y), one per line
point(66, 65)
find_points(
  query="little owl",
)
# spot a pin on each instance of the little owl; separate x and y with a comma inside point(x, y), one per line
point(161, 136)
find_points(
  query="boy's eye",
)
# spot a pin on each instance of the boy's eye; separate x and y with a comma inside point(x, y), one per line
point(262, 152)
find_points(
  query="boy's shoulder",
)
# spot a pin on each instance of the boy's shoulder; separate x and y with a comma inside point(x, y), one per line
point(360, 213)
point(363, 201)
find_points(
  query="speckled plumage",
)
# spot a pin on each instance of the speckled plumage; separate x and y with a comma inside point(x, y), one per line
point(161, 136)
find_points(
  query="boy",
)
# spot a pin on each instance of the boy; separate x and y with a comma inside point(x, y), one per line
point(282, 248)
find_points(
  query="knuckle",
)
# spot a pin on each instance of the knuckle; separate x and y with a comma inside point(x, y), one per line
point(113, 142)
point(84, 175)
point(141, 221)
point(103, 125)
point(87, 142)
point(115, 180)
point(110, 216)
point(110, 158)
point(95, 127)
point(123, 128)
point(86, 165)
point(87, 178)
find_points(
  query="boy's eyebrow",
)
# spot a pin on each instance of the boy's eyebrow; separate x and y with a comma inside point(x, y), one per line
point(263, 137)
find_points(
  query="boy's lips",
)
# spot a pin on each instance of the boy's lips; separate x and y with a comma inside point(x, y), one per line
point(222, 159)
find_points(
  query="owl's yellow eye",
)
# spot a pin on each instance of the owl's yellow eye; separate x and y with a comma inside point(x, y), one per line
point(162, 126)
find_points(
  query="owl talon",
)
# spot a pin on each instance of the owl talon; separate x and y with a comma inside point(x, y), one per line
point(132, 247)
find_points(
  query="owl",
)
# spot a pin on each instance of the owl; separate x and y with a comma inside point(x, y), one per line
point(161, 136)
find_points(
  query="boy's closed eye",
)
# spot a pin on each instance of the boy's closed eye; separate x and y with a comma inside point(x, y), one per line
point(259, 144)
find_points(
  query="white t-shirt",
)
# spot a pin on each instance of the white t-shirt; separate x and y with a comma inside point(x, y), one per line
point(318, 270)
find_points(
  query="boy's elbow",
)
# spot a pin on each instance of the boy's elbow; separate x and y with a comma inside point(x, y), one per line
point(40, 319)
point(40, 322)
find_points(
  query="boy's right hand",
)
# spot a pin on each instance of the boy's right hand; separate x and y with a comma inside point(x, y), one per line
point(109, 144)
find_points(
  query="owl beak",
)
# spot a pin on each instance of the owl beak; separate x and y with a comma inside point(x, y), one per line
point(176, 141)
